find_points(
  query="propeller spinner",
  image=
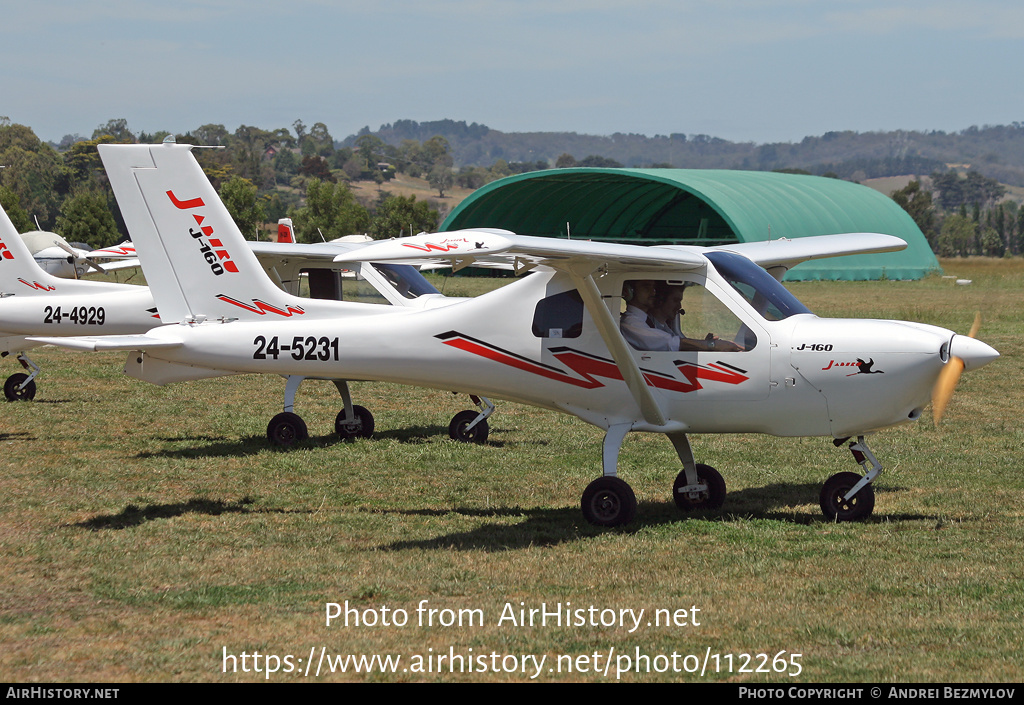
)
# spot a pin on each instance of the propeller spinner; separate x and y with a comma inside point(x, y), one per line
point(964, 353)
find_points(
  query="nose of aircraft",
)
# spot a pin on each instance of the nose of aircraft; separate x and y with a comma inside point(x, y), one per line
point(973, 352)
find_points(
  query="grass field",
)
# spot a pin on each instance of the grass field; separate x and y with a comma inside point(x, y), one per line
point(151, 534)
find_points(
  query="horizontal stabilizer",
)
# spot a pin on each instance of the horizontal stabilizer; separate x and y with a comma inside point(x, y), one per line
point(110, 342)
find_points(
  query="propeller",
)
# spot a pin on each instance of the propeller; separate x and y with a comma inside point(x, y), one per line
point(67, 248)
point(942, 392)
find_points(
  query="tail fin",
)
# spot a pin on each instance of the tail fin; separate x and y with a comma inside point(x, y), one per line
point(19, 272)
point(196, 261)
point(285, 231)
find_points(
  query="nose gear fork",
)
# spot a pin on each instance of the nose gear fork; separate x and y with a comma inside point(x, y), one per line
point(867, 460)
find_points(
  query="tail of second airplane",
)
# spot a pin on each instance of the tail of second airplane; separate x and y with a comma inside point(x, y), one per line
point(285, 231)
point(196, 261)
point(19, 272)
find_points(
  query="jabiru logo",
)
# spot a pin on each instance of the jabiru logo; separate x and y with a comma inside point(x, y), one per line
point(213, 249)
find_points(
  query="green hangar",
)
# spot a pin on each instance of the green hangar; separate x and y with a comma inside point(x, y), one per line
point(700, 207)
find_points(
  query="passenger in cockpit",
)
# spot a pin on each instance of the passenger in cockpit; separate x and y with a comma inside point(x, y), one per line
point(651, 319)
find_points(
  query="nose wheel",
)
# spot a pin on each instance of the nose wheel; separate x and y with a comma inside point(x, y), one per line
point(471, 426)
point(847, 496)
point(21, 386)
point(835, 504)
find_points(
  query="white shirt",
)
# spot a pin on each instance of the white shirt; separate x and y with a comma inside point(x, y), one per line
point(639, 331)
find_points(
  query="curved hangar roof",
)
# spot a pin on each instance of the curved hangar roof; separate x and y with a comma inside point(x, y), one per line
point(701, 207)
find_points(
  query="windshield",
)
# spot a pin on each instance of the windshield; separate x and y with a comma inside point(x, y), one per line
point(767, 296)
point(406, 279)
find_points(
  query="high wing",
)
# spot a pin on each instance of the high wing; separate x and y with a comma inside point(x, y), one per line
point(779, 256)
point(483, 246)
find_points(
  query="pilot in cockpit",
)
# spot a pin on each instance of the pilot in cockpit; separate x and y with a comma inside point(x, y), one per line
point(651, 319)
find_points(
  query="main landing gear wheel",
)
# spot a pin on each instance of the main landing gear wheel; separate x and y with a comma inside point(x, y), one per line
point(286, 429)
point(836, 508)
point(608, 501)
point(359, 427)
point(12, 391)
point(459, 429)
point(711, 498)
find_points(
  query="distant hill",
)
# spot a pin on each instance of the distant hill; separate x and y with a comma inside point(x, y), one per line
point(995, 151)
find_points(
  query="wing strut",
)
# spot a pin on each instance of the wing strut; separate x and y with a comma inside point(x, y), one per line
point(609, 329)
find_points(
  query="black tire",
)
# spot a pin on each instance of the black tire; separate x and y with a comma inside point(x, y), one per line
point(359, 427)
point(608, 501)
point(712, 498)
point(457, 428)
point(286, 429)
point(11, 391)
point(857, 508)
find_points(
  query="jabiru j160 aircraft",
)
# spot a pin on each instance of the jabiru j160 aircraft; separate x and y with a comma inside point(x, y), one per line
point(746, 357)
point(34, 302)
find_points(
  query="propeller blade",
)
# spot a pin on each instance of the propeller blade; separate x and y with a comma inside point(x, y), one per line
point(942, 392)
point(94, 265)
point(66, 247)
point(976, 325)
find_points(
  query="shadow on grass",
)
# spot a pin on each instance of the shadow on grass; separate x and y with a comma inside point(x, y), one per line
point(132, 516)
point(222, 446)
point(547, 527)
point(214, 447)
point(17, 436)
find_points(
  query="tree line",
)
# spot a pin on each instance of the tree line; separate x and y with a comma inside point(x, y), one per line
point(262, 176)
point(303, 173)
point(962, 215)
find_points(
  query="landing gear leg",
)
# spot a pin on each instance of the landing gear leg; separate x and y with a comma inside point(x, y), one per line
point(19, 386)
point(697, 486)
point(847, 496)
point(471, 426)
point(608, 501)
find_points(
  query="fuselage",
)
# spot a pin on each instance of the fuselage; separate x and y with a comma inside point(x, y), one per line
point(68, 308)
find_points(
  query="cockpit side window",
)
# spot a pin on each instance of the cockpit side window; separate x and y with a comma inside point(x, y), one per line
point(559, 316)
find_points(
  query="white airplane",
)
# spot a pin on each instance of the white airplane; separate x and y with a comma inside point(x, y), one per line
point(551, 339)
point(58, 257)
point(35, 302)
point(296, 267)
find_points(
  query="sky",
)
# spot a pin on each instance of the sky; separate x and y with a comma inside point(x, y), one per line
point(744, 70)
